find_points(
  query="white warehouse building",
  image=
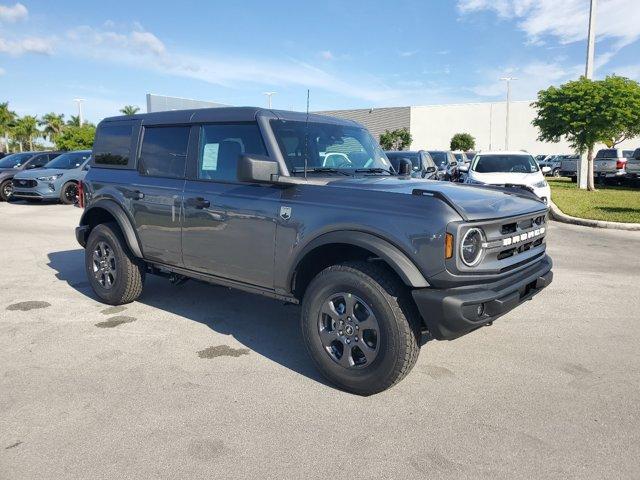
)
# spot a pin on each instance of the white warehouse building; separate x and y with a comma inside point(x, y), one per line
point(432, 126)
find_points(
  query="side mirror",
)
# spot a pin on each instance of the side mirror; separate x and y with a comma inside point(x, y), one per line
point(546, 169)
point(257, 169)
point(431, 169)
point(463, 167)
point(405, 167)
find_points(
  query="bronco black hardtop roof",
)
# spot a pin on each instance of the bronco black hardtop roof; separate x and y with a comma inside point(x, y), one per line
point(227, 114)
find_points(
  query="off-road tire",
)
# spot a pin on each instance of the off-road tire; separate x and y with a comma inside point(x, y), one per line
point(3, 187)
point(130, 271)
point(63, 193)
point(397, 316)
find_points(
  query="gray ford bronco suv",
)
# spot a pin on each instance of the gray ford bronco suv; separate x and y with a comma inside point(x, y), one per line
point(305, 209)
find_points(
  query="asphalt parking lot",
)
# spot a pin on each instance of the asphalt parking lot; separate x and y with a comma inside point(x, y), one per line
point(198, 381)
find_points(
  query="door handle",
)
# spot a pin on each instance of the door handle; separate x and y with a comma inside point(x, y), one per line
point(138, 195)
point(199, 203)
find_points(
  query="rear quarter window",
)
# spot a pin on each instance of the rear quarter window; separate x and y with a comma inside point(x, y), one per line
point(113, 144)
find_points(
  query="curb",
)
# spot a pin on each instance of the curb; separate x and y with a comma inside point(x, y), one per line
point(559, 216)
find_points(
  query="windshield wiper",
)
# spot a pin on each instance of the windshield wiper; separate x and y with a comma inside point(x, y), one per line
point(320, 170)
point(375, 170)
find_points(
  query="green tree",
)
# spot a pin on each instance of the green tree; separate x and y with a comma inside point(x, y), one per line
point(26, 130)
point(7, 120)
point(74, 121)
point(462, 141)
point(76, 138)
point(586, 112)
point(129, 110)
point(395, 140)
point(53, 124)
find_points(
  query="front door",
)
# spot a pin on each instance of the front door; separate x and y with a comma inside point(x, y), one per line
point(229, 227)
point(156, 195)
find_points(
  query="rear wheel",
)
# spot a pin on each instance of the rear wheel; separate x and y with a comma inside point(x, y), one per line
point(115, 275)
point(556, 172)
point(6, 189)
point(360, 327)
point(574, 179)
point(69, 193)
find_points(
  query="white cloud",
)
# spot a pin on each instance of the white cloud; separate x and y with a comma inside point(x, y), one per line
point(409, 53)
point(531, 78)
point(14, 13)
point(2, 71)
point(147, 41)
point(566, 21)
point(327, 55)
point(39, 45)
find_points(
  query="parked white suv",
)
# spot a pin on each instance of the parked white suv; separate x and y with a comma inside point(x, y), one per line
point(509, 168)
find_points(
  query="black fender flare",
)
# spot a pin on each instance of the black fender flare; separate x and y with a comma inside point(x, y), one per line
point(123, 220)
point(393, 256)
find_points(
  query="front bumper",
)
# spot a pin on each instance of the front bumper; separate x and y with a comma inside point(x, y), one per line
point(43, 191)
point(450, 313)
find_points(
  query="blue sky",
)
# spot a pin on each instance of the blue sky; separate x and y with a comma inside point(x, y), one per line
point(350, 54)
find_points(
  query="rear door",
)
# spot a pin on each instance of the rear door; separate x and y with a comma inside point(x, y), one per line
point(156, 195)
point(229, 227)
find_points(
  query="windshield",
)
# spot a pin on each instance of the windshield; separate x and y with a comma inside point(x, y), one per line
point(440, 158)
point(504, 164)
point(15, 160)
point(460, 157)
point(67, 161)
point(395, 157)
point(327, 146)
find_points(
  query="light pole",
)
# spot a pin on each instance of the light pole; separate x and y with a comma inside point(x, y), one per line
point(506, 133)
point(269, 95)
point(79, 102)
point(583, 171)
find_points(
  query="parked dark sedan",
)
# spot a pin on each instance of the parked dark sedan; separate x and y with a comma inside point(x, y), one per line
point(422, 165)
point(446, 163)
point(17, 162)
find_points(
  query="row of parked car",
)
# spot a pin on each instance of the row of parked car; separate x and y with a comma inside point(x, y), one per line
point(38, 176)
point(498, 168)
point(611, 165)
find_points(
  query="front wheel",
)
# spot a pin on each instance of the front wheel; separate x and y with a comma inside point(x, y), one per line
point(115, 275)
point(360, 327)
point(69, 193)
point(6, 189)
point(556, 173)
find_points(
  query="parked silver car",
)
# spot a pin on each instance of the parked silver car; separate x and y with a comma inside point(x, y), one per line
point(58, 180)
point(554, 162)
point(633, 168)
point(610, 164)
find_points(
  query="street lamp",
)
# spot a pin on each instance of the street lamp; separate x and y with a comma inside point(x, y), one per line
point(79, 102)
point(269, 95)
point(506, 134)
point(583, 170)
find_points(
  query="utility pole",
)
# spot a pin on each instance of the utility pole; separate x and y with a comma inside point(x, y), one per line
point(506, 133)
point(269, 95)
point(79, 102)
point(583, 171)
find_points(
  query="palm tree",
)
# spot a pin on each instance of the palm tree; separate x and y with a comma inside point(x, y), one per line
point(129, 110)
point(74, 121)
point(53, 124)
point(26, 129)
point(7, 119)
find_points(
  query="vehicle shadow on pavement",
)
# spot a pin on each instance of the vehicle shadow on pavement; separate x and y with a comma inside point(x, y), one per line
point(265, 326)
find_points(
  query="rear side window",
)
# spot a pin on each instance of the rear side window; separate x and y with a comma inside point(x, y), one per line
point(627, 153)
point(112, 144)
point(222, 145)
point(164, 151)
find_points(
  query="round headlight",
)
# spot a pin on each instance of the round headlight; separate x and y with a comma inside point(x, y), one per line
point(471, 248)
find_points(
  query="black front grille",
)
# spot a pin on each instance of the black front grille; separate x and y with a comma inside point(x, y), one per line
point(24, 183)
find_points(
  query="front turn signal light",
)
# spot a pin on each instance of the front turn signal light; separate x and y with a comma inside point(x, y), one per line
point(448, 246)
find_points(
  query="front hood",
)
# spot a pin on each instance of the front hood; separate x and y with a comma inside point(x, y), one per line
point(501, 178)
point(474, 202)
point(39, 172)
